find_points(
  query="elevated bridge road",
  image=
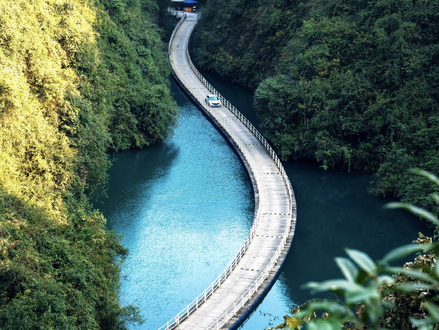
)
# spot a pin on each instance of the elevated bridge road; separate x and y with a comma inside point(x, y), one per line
point(224, 304)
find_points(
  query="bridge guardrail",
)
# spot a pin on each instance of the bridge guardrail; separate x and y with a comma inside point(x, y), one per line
point(200, 299)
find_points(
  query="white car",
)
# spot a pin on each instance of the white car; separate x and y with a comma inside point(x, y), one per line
point(212, 100)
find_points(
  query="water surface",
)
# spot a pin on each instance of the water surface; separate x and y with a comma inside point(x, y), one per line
point(185, 207)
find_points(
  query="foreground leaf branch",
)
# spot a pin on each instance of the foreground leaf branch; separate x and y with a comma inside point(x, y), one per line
point(377, 294)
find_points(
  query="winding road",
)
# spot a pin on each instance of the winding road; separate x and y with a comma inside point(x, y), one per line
point(229, 299)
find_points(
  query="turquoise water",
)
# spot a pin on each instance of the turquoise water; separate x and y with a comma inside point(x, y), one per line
point(185, 208)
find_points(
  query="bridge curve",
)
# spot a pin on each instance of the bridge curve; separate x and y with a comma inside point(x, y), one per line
point(231, 296)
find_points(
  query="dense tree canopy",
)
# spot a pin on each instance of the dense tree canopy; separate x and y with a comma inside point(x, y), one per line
point(348, 84)
point(78, 78)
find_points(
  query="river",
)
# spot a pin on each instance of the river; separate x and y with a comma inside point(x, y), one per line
point(185, 207)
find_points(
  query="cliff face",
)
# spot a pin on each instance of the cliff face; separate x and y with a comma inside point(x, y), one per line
point(347, 84)
point(77, 79)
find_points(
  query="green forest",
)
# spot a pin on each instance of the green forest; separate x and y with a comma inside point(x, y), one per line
point(347, 84)
point(78, 80)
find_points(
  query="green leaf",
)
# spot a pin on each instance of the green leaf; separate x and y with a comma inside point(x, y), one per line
point(412, 273)
point(361, 295)
point(421, 324)
point(324, 325)
point(433, 310)
point(403, 251)
point(411, 287)
point(332, 285)
point(428, 175)
point(385, 279)
point(430, 321)
point(347, 268)
point(362, 260)
point(415, 210)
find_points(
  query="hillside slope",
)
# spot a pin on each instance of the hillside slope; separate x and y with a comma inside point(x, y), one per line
point(78, 78)
point(346, 84)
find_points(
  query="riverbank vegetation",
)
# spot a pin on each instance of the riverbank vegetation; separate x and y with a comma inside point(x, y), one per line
point(346, 84)
point(78, 79)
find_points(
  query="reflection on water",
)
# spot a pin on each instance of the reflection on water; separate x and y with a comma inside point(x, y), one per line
point(185, 208)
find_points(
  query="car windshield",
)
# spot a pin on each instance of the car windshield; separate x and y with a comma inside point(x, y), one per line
point(213, 98)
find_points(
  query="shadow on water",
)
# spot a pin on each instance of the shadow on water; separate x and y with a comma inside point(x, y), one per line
point(129, 171)
point(123, 189)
